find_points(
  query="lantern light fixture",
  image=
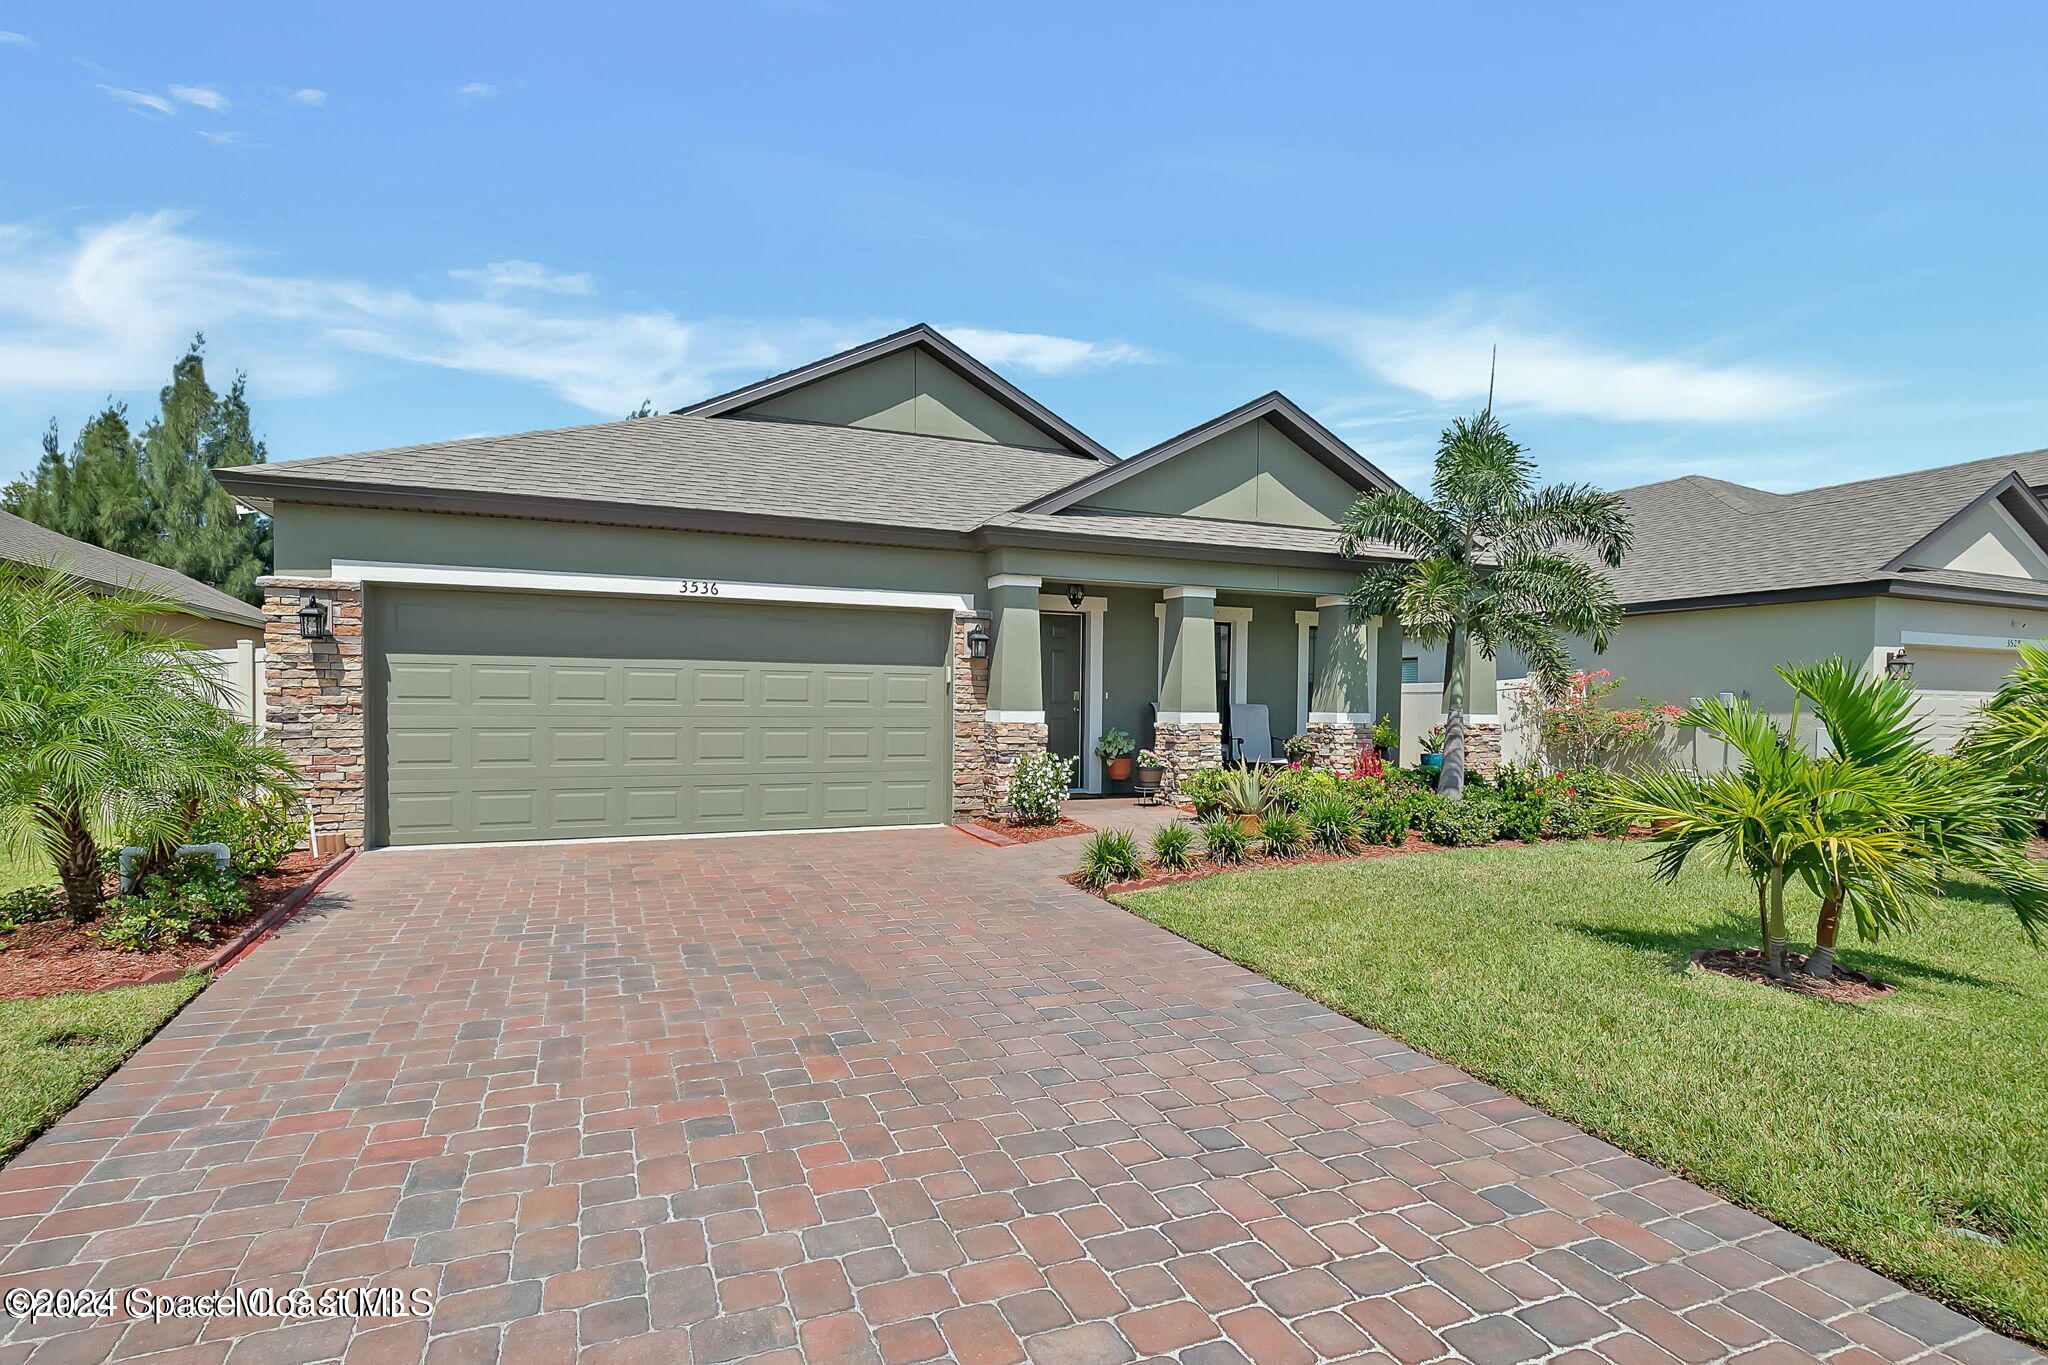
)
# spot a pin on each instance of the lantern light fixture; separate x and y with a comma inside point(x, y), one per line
point(313, 622)
point(977, 641)
point(1074, 596)
point(1898, 664)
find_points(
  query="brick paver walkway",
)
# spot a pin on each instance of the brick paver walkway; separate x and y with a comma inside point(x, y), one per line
point(895, 1096)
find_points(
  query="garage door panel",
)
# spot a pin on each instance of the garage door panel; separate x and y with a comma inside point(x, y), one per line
point(705, 721)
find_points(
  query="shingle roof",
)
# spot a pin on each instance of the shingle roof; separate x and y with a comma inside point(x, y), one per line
point(718, 464)
point(1184, 531)
point(1698, 537)
point(24, 542)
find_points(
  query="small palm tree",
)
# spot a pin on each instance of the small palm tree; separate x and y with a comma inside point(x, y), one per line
point(103, 722)
point(212, 758)
point(2011, 730)
point(1872, 827)
point(1490, 569)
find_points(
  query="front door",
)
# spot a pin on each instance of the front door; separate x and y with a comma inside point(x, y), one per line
point(1060, 650)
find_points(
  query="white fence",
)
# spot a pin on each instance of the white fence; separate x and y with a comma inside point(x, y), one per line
point(240, 670)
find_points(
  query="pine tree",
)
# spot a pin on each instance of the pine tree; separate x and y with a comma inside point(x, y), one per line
point(154, 497)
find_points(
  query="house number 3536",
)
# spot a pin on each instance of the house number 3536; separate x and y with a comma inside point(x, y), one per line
point(699, 587)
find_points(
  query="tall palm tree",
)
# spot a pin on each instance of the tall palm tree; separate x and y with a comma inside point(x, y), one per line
point(1490, 565)
point(1872, 826)
point(98, 709)
point(2011, 730)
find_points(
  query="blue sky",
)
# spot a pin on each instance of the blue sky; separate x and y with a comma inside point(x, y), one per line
point(1784, 244)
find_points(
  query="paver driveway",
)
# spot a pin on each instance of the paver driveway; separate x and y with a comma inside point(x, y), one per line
point(895, 1096)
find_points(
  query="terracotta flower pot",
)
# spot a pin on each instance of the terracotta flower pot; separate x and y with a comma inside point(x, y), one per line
point(1119, 769)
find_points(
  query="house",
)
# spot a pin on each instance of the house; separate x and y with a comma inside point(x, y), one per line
point(847, 595)
point(226, 629)
point(1935, 575)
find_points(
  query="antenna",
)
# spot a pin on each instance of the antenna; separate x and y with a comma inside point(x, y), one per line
point(1492, 364)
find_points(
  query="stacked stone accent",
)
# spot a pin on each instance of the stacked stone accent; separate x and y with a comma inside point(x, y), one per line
point(984, 754)
point(1186, 747)
point(1334, 745)
point(314, 693)
point(1482, 749)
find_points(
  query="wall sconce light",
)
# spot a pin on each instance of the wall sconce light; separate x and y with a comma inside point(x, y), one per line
point(977, 641)
point(1899, 665)
point(1074, 596)
point(313, 624)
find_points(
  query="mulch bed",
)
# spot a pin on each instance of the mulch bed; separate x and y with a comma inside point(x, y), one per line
point(1031, 834)
point(1412, 844)
point(55, 955)
point(1747, 964)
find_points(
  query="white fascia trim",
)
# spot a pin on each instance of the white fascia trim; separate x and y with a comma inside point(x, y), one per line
point(1322, 602)
point(1939, 640)
point(1340, 718)
point(1482, 717)
point(1172, 593)
point(1015, 580)
point(1015, 717)
point(631, 585)
point(395, 849)
point(1190, 718)
point(1307, 618)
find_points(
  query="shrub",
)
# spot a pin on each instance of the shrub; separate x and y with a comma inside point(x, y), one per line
point(1038, 787)
point(1173, 848)
point(1283, 832)
point(171, 909)
point(1203, 789)
point(1293, 788)
point(1224, 840)
point(30, 905)
point(1369, 764)
point(1471, 820)
point(1571, 817)
point(1523, 799)
point(1110, 856)
point(1332, 822)
point(259, 834)
point(1387, 809)
point(1578, 729)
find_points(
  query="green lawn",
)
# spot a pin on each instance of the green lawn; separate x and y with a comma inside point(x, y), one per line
point(55, 1049)
point(16, 873)
point(1560, 973)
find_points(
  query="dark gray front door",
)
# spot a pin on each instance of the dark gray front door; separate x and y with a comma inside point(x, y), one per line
point(1060, 649)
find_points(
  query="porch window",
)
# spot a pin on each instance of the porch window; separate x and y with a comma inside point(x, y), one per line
point(1411, 669)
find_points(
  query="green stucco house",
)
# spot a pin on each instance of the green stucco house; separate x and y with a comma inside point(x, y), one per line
point(848, 595)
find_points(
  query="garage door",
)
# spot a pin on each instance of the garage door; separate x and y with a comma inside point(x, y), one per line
point(512, 716)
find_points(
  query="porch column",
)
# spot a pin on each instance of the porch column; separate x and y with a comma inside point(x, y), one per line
point(1015, 719)
point(1340, 705)
point(1189, 733)
point(1482, 715)
point(1389, 640)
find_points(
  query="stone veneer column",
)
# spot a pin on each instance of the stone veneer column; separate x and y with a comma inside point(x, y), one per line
point(1189, 732)
point(313, 692)
point(984, 751)
point(1340, 703)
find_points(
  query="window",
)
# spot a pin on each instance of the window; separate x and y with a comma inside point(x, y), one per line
point(1411, 669)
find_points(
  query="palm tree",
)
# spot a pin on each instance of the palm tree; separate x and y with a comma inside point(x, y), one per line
point(1488, 569)
point(213, 757)
point(102, 718)
point(2011, 730)
point(1872, 827)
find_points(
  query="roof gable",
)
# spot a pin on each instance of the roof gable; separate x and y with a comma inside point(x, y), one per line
point(1267, 462)
point(2003, 532)
point(914, 381)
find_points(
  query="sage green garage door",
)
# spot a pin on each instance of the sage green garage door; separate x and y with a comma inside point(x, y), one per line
point(513, 716)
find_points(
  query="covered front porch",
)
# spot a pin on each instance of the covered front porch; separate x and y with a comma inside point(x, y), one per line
point(1200, 673)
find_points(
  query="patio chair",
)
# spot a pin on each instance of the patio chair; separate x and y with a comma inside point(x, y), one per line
point(1248, 736)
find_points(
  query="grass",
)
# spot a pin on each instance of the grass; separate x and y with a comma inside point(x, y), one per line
point(1560, 973)
point(55, 1049)
point(16, 873)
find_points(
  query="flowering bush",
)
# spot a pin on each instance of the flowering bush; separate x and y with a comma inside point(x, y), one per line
point(1038, 787)
point(1580, 730)
point(1369, 764)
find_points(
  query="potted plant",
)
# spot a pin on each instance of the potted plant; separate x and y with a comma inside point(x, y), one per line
point(1298, 748)
point(1433, 748)
point(1114, 748)
point(1385, 738)
point(1151, 770)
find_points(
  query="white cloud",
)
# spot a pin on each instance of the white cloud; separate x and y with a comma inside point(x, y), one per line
point(1046, 354)
point(476, 92)
point(7, 37)
point(1443, 356)
point(309, 97)
point(218, 138)
point(201, 97)
point(105, 310)
point(139, 100)
point(501, 277)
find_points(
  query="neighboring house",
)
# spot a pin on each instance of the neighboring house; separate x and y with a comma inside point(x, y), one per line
point(228, 630)
point(1934, 575)
point(764, 611)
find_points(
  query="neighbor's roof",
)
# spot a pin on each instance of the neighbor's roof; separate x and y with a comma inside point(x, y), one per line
point(1698, 538)
point(24, 542)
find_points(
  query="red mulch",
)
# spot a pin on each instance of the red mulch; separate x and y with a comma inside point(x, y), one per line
point(1747, 964)
point(56, 955)
point(1031, 834)
point(1256, 862)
